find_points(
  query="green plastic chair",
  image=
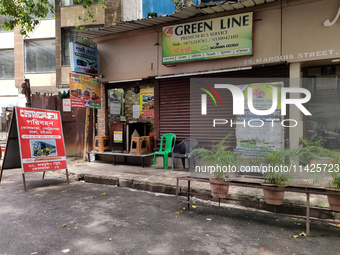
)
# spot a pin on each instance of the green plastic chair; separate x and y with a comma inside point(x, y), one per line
point(170, 140)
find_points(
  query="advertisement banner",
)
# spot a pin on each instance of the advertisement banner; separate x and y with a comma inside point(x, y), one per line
point(222, 37)
point(261, 131)
point(147, 103)
point(118, 136)
point(263, 95)
point(41, 140)
point(85, 92)
point(83, 59)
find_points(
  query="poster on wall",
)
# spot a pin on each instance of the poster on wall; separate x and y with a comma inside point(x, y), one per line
point(227, 36)
point(83, 59)
point(41, 140)
point(147, 102)
point(66, 105)
point(260, 131)
point(115, 106)
point(85, 91)
point(118, 136)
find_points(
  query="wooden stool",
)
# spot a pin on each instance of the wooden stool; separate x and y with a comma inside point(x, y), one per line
point(101, 143)
point(148, 141)
point(140, 145)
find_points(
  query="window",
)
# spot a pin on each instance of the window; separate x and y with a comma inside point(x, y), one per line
point(74, 2)
point(40, 56)
point(3, 19)
point(324, 85)
point(69, 35)
point(7, 64)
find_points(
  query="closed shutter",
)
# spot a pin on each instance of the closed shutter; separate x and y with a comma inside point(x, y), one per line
point(174, 106)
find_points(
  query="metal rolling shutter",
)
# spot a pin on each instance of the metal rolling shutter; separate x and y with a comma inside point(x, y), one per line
point(174, 105)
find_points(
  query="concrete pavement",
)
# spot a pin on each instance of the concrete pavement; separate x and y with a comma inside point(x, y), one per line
point(83, 218)
point(132, 175)
point(159, 180)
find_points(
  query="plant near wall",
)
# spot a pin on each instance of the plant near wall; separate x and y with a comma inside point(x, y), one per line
point(220, 156)
point(278, 160)
point(332, 170)
point(320, 171)
point(311, 149)
point(277, 172)
point(334, 184)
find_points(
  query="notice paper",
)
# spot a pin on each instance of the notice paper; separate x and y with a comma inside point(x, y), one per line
point(136, 111)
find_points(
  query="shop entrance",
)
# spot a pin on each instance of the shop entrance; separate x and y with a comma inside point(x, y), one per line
point(130, 113)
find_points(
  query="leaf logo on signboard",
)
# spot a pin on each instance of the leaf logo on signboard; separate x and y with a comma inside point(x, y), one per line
point(168, 32)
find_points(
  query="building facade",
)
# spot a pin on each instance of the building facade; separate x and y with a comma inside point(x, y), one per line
point(290, 40)
point(22, 58)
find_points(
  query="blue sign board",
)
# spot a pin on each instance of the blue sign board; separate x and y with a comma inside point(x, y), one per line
point(83, 59)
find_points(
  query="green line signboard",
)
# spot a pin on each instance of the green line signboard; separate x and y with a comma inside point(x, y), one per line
point(228, 36)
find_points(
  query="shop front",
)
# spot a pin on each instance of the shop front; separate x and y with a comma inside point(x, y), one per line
point(130, 113)
point(272, 43)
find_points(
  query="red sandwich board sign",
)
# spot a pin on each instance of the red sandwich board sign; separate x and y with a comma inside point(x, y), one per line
point(35, 142)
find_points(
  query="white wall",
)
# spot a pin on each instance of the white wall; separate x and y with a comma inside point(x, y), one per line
point(6, 40)
point(13, 101)
point(7, 88)
point(132, 9)
point(38, 80)
point(46, 29)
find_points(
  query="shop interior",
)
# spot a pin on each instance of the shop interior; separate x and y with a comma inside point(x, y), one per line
point(130, 115)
